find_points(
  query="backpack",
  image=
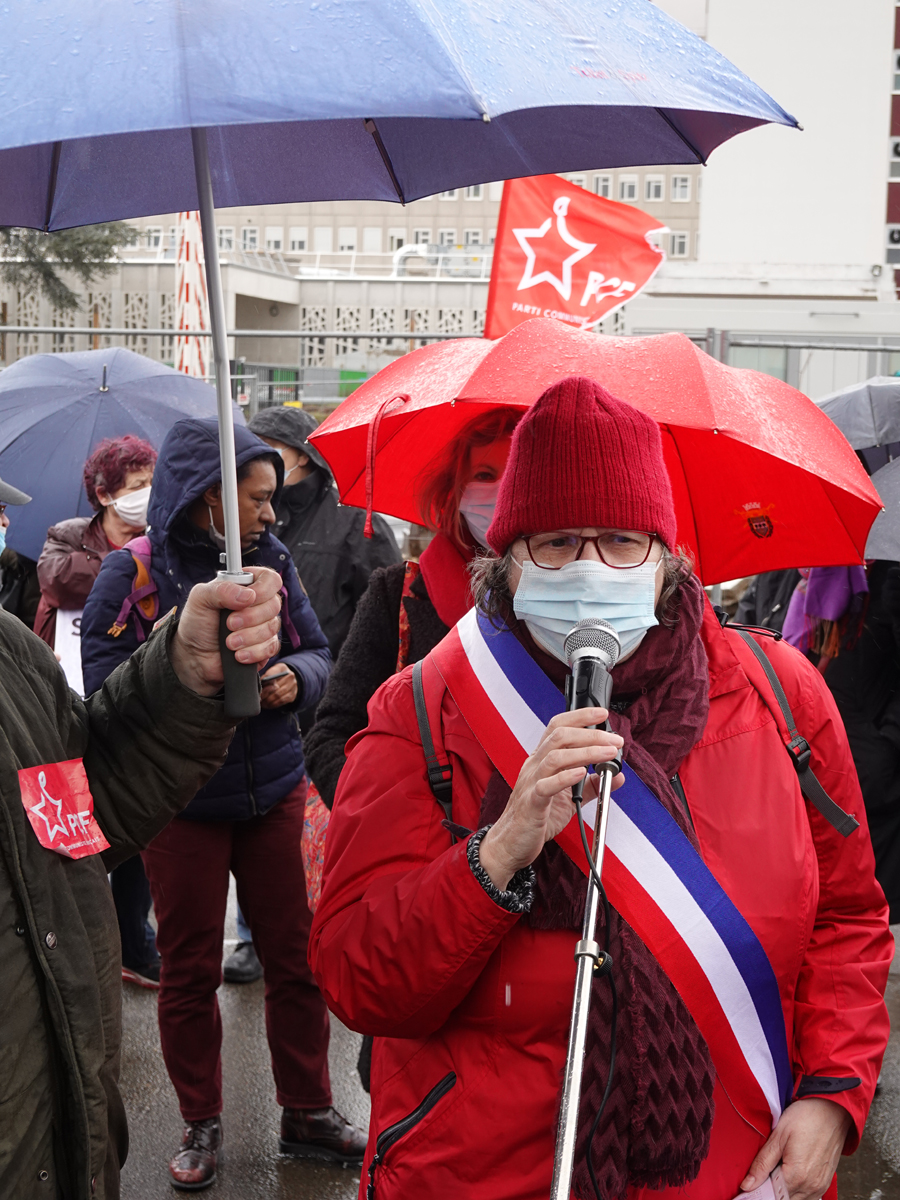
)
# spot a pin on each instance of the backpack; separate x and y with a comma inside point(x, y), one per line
point(143, 599)
point(144, 596)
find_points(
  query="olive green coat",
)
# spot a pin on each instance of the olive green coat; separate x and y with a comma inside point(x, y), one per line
point(148, 744)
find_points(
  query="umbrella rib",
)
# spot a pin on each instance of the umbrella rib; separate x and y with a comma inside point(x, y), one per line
point(690, 145)
point(372, 128)
point(51, 187)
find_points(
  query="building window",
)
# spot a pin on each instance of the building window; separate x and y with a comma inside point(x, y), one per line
point(225, 235)
point(578, 180)
point(603, 186)
point(323, 236)
point(678, 245)
point(173, 237)
point(628, 185)
point(347, 238)
point(475, 192)
point(396, 239)
point(492, 236)
point(299, 238)
point(654, 187)
point(681, 188)
point(771, 360)
point(472, 237)
point(421, 237)
point(274, 237)
point(446, 237)
point(372, 239)
point(153, 234)
point(450, 195)
point(249, 238)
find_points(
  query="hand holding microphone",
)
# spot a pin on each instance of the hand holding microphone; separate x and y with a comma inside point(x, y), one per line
point(541, 805)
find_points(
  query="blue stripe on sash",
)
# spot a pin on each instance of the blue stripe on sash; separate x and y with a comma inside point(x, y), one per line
point(658, 826)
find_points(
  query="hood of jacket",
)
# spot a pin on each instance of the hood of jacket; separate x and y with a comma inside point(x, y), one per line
point(189, 463)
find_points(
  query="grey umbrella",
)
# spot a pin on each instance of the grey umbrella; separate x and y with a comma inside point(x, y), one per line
point(867, 414)
point(884, 536)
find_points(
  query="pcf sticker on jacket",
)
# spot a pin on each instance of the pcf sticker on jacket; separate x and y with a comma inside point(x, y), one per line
point(60, 808)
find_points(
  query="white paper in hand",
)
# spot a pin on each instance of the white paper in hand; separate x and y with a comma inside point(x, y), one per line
point(773, 1188)
point(67, 645)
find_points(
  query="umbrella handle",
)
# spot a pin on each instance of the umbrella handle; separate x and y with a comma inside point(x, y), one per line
point(241, 679)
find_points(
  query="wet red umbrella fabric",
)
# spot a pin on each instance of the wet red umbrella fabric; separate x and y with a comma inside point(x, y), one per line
point(762, 479)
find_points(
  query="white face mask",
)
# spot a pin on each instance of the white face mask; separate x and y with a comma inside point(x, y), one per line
point(217, 539)
point(132, 507)
point(477, 504)
point(551, 602)
point(287, 474)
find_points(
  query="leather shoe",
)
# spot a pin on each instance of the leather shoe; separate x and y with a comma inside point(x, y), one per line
point(194, 1166)
point(321, 1133)
point(242, 965)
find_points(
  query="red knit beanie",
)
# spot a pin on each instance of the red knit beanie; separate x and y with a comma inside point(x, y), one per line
point(580, 457)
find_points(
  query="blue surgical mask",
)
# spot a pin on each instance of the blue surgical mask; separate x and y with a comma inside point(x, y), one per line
point(477, 504)
point(2, 538)
point(551, 602)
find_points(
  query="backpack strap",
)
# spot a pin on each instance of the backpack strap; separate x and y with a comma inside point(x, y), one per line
point(428, 714)
point(143, 596)
point(798, 747)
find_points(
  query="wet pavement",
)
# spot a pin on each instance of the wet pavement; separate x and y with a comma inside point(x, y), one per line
point(252, 1168)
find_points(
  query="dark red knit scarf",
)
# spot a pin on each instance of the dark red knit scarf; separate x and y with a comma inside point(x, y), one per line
point(656, 1127)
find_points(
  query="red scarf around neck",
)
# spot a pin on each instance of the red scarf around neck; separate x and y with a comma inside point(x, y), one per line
point(445, 573)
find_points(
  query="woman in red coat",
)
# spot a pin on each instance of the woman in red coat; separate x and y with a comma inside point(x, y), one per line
point(458, 957)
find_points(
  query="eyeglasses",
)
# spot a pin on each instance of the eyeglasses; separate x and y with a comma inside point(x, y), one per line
point(618, 548)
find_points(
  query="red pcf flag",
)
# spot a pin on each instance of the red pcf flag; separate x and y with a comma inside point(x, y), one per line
point(563, 252)
point(60, 807)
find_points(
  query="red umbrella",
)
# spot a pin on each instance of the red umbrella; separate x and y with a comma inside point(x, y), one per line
point(762, 478)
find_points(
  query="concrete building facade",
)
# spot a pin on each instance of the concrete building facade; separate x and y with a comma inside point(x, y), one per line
point(784, 235)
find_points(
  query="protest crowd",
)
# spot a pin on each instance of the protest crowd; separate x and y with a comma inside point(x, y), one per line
point(599, 865)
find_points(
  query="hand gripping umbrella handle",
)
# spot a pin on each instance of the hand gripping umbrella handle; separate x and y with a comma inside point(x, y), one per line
point(241, 679)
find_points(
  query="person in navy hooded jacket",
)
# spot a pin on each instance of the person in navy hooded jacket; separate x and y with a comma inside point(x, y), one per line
point(247, 820)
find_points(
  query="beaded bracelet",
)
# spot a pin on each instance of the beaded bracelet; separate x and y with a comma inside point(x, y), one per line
point(518, 896)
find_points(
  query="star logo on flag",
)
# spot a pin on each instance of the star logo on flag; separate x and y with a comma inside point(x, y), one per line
point(38, 810)
point(580, 250)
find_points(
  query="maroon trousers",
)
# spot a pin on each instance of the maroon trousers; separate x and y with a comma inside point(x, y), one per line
point(188, 866)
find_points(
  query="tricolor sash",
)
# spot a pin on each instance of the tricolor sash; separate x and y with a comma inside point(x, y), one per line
point(653, 875)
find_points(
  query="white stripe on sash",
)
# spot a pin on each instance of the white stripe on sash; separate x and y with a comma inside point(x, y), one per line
point(527, 728)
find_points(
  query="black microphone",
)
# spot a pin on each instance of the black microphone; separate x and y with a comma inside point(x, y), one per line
point(592, 648)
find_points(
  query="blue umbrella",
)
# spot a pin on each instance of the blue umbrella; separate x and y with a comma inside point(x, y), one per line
point(109, 111)
point(336, 100)
point(55, 408)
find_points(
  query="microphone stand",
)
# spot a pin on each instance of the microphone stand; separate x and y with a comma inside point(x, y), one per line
point(588, 956)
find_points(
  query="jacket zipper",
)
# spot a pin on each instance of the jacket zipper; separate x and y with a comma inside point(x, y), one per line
point(678, 788)
point(400, 1128)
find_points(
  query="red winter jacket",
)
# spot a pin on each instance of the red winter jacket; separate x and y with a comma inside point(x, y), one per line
point(470, 1006)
